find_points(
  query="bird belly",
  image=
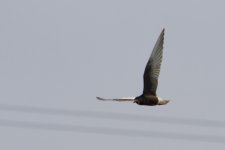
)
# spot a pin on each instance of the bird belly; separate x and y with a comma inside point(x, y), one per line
point(150, 101)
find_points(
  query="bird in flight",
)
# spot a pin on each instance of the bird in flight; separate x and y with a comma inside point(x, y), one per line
point(150, 77)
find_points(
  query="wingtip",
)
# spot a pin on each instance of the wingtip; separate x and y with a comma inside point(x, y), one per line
point(99, 98)
point(163, 31)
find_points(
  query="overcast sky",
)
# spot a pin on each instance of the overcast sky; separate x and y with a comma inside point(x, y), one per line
point(62, 54)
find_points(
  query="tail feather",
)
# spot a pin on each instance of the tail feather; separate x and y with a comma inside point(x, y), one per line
point(163, 102)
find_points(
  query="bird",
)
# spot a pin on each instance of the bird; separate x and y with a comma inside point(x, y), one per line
point(150, 77)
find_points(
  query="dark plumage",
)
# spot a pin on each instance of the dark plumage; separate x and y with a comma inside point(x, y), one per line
point(150, 77)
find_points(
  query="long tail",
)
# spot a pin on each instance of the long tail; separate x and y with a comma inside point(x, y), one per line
point(125, 99)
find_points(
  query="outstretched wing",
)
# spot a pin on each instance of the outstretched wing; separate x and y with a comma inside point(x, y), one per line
point(117, 99)
point(152, 68)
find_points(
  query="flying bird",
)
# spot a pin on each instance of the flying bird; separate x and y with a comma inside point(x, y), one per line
point(151, 74)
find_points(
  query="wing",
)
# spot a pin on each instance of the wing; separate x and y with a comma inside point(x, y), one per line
point(152, 68)
point(117, 99)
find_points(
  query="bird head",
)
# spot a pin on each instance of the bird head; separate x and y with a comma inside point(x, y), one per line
point(137, 100)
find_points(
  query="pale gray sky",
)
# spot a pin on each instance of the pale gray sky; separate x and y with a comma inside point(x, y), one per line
point(62, 54)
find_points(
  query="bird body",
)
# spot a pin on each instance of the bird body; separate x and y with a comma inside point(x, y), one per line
point(150, 77)
point(150, 100)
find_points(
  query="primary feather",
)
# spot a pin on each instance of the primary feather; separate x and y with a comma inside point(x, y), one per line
point(117, 99)
point(153, 66)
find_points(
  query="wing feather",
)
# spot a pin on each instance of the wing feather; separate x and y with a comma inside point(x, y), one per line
point(117, 99)
point(153, 66)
